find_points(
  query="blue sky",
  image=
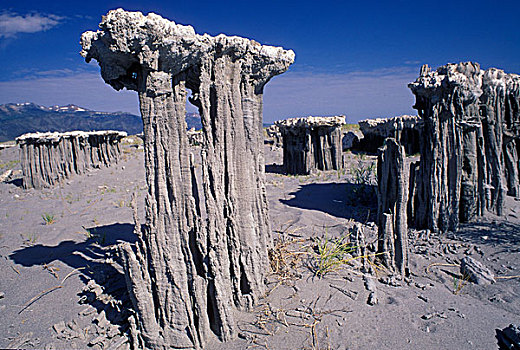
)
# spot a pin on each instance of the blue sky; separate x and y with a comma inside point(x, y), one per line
point(352, 57)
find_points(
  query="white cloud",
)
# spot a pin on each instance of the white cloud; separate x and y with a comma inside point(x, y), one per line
point(12, 24)
point(358, 95)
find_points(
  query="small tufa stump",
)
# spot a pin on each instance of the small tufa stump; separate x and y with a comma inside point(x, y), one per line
point(48, 158)
point(392, 200)
point(311, 143)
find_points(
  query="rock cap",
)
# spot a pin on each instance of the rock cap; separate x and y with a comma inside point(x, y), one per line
point(310, 122)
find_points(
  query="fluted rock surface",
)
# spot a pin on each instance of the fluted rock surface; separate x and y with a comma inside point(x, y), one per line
point(406, 129)
point(469, 150)
point(311, 143)
point(48, 158)
point(392, 202)
point(190, 270)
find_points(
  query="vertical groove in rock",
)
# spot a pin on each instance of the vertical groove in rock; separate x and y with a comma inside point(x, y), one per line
point(392, 198)
point(190, 270)
point(48, 158)
point(469, 153)
point(405, 129)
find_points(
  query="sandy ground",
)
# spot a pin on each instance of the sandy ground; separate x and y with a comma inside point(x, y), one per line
point(61, 286)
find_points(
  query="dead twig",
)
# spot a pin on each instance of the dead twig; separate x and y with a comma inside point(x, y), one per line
point(47, 291)
point(41, 294)
point(439, 264)
point(71, 273)
point(506, 277)
point(52, 270)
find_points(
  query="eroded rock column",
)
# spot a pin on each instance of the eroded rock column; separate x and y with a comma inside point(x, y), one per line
point(48, 158)
point(189, 269)
point(469, 153)
point(311, 143)
point(392, 202)
point(406, 129)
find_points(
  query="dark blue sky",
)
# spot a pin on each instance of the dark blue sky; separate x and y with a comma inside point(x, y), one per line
point(352, 58)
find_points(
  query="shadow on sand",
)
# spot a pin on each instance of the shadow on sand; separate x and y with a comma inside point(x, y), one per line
point(343, 200)
point(88, 256)
point(16, 182)
point(499, 233)
point(274, 169)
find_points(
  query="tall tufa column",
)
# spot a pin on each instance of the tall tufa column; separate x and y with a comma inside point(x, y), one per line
point(189, 269)
point(469, 153)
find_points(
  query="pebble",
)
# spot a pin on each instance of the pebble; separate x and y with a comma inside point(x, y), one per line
point(420, 286)
point(2, 295)
point(372, 299)
point(98, 341)
point(391, 281)
point(86, 312)
point(496, 299)
point(423, 298)
point(434, 314)
point(59, 327)
point(101, 320)
point(370, 285)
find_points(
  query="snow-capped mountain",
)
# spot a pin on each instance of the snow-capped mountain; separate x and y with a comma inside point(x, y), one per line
point(20, 118)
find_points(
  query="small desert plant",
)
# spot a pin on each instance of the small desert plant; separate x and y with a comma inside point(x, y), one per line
point(48, 219)
point(91, 233)
point(364, 174)
point(9, 165)
point(331, 253)
point(29, 240)
point(364, 181)
point(340, 172)
point(459, 283)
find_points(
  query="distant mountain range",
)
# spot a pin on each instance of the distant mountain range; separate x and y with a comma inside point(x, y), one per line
point(20, 118)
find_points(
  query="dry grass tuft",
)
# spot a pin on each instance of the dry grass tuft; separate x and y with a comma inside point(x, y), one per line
point(285, 261)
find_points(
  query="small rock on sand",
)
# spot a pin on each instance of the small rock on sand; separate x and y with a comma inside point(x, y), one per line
point(476, 271)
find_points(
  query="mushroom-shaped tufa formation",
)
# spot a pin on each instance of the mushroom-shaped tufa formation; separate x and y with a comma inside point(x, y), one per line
point(191, 269)
point(311, 143)
point(405, 129)
point(469, 149)
point(130, 44)
point(48, 158)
